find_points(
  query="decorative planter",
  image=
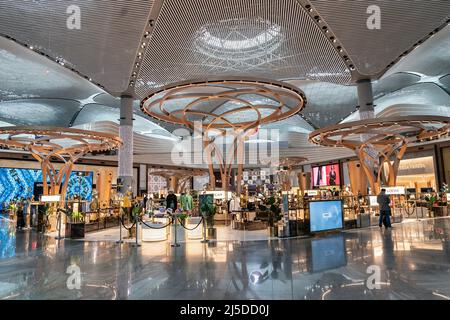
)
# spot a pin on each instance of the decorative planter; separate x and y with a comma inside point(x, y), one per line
point(211, 233)
point(75, 230)
point(273, 231)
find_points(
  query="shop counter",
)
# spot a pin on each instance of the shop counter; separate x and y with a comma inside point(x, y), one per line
point(153, 231)
point(197, 233)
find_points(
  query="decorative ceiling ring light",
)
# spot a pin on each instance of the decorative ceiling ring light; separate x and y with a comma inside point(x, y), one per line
point(382, 141)
point(233, 106)
point(287, 100)
point(65, 144)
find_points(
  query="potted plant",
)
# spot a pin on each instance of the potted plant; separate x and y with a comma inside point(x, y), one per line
point(181, 221)
point(75, 227)
point(208, 210)
point(274, 216)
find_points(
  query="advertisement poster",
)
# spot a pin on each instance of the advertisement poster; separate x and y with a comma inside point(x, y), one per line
point(325, 176)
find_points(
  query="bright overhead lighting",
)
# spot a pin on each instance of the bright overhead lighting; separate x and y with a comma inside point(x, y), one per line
point(248, 43)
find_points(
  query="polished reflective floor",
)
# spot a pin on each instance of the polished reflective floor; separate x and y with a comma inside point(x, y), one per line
point(410, 262)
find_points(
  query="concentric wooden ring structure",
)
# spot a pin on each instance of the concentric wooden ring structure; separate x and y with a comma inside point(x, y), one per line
point(64, 144)
point(233, 106)
point(287, 164)
point(382, 141)
point(181, 176)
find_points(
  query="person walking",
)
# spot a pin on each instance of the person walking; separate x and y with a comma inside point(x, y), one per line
point(385, 210)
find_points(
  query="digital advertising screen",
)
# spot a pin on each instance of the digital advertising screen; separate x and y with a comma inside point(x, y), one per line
point(20, 183)
point(327, 175)
point(328, 253)
point(325, 215)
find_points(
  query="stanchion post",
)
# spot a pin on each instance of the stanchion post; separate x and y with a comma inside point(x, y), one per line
point(137, 231)
point(59, 226)
point(120, 230)
point(204, 232)
point(175, 231)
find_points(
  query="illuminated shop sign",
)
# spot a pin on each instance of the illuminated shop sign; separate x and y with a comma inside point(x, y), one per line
point(395, 190)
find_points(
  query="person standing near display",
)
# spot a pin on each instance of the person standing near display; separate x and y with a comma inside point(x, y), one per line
point(171, 201)
point(385, 210)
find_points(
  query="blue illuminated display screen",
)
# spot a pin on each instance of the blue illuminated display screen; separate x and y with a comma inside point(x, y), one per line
point(19, 183)
point(325, 215)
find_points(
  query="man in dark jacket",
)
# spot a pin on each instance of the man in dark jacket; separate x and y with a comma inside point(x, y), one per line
point(385, 210)
point(171, 201)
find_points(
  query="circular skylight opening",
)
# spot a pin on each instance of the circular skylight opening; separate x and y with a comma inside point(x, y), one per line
point(238, 39)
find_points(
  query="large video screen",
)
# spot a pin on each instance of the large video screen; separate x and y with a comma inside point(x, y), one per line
point(326, 176)
point(325, 215)
point(20, 183)
point(328, 253)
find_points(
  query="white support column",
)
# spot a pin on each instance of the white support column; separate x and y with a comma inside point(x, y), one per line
point(365, 99)
point(126, 151)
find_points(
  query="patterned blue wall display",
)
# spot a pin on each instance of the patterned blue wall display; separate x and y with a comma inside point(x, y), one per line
point(19, 183)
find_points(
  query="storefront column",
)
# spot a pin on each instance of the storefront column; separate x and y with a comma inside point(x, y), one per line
point(173, 184)
point(126, 151)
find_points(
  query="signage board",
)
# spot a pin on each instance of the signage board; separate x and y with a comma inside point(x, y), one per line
point(395, 190)
point(54, 198)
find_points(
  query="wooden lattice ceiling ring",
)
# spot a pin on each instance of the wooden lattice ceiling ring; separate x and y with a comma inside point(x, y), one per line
point(64, 144)
point(382, 141)
point(182, 176)
point(233, 106)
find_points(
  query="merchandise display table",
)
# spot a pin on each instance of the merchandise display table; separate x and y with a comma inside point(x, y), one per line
point(196, 233)
point(148, 234)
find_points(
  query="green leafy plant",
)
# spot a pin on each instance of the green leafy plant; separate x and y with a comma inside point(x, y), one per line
point(76, 217)
point(136, 211)
point(182, 217)
point(208, 210)
point(274, 210)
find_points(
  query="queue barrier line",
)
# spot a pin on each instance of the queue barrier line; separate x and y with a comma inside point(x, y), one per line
point(121, 220)
point(142, 221)
point(201, 220)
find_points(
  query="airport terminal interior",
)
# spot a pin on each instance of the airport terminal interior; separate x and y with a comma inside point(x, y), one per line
point(225, 149)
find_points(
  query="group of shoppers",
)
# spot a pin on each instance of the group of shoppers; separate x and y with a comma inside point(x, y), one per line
point(21, 208)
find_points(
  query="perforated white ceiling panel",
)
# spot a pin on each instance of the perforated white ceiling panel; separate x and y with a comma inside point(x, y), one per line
point(105, 46)
point(203, 38)
point(403, 23)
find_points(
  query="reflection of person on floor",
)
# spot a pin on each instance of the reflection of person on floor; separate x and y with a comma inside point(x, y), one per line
point(20, 217)
point(385, 210)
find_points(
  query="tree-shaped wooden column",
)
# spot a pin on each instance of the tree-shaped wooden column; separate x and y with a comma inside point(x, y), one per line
point(286, 165)
point(384, 142)
point(48, 145)
point(228, 110)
